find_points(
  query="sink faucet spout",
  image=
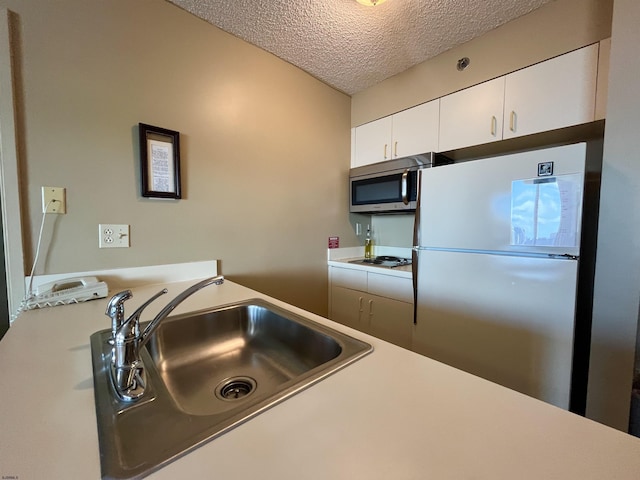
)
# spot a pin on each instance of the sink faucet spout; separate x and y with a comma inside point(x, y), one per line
point(164, 313)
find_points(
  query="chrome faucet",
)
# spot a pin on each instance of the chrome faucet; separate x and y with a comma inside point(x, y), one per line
point(115, 310)
point(127, 370)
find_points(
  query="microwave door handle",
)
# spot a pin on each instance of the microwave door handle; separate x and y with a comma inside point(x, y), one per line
point(404, 187)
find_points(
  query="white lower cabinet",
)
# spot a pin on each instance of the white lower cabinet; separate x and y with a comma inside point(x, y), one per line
point(373, 303)
point(390, 320)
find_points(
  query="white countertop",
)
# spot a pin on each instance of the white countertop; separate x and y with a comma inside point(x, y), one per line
point(342, 257)
point(403, 271)
point(391, 415)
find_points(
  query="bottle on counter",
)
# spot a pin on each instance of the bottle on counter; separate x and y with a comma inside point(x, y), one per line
point(368, 245)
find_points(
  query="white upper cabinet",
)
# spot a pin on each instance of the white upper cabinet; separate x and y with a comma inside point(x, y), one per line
point(416, 130)
point(553, 94)
point(405, 133)
point(557, 93)
point(472, 116)
point(372, 142)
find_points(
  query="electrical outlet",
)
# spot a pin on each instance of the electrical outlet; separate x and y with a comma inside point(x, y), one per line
point(53, 200)
point(113, 236)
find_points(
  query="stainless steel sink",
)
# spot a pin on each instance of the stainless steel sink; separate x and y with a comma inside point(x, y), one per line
point(206, 373)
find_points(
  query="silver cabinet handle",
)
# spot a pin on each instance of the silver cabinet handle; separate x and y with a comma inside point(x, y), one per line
point(494, 125)
point(404, 187)
point(512, 121)
point(395, 148)
point(360, 304)
point(385, 151)
point(371, 308)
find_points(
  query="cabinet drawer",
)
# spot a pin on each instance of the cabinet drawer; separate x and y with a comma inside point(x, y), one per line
point(349, 278)
point(391, 287)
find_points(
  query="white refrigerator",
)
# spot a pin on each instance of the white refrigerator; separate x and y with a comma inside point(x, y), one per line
point(503, 257)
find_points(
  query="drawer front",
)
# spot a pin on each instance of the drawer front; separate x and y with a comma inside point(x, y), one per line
point(349, 278)
point(391, 287)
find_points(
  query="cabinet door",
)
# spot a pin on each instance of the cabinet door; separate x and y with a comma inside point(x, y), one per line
point(348, 307)
point(416, 130)
point(472, 116)
point(372, 142)
point(390, 320)
point(553, 94)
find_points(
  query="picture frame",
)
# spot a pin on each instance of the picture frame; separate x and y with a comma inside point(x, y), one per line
point(160, 162)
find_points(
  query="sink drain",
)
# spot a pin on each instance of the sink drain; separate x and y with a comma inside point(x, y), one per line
point(235, 388)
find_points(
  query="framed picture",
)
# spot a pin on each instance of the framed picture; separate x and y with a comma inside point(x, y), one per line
point(160, 162)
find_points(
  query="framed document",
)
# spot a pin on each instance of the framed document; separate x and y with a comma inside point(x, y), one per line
point(160, 162)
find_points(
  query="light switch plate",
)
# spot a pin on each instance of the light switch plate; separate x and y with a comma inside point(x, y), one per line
point(53, 200)
point(113, 236)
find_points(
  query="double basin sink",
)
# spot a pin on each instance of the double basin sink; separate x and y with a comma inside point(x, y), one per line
point(207, 372)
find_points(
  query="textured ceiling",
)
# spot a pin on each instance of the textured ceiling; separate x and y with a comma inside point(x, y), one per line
point(350, 46)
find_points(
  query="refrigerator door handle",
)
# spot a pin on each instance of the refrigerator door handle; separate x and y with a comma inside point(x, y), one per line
point(416, 246)
point(565, 256)
point(414, 277)
point(416, 219)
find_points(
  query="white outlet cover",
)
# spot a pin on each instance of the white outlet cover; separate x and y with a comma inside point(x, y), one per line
point(113, 236)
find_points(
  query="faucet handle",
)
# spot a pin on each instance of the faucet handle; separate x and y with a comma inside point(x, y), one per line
point(117, 300)
point(115, 309)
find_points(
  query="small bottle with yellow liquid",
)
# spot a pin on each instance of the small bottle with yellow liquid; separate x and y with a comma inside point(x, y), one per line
point(368, 245)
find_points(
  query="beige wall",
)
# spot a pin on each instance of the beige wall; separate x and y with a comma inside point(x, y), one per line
point(617, 285)
point(556, 28)
point(265, 147)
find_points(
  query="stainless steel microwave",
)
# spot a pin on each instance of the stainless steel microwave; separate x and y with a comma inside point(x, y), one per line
point(389, 187)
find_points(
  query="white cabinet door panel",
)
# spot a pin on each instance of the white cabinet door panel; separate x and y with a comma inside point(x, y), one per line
point(372, 142)
point(391, 320)
point(472, 116)
point(347, 307)
point(416, 130)
point(557, 93)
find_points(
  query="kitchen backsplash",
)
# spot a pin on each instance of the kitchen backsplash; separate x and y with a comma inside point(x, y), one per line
point(334, 254)
point(393, 230)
